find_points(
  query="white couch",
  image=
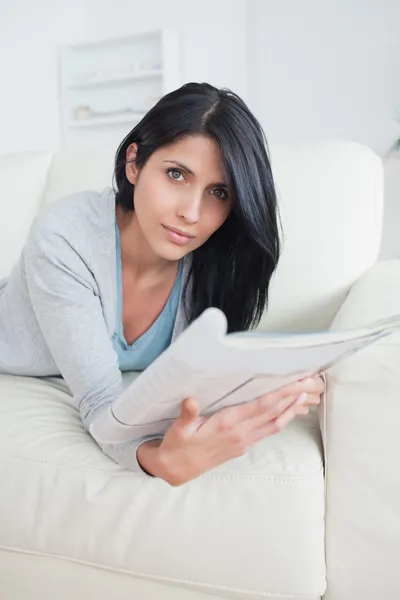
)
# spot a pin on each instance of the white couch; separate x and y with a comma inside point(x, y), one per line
point(73, 524)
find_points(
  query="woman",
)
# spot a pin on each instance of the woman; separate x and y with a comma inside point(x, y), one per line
point(107, 281)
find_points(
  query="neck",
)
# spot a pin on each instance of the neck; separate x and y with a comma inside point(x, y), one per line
point(136, 253)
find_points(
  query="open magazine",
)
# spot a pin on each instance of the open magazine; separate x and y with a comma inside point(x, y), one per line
point(220, 369)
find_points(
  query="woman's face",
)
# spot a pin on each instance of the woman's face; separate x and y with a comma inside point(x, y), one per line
point(181, 197)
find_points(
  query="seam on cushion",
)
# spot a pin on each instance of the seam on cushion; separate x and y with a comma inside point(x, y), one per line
point(255, 477)
point(207, 477)
point(68, 467)
point(161, 578)
point(325, 450)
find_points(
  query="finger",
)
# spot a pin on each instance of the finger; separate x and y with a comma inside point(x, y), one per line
point(321, 384)
point(189, 421)
point(303, 410)
point(270, 415)
point(270, 405)
point(277, 400)
point(313, 385)
point(313, 399)
point(276, 425)
point(309, 385)
point(189, 411)
point(319, 381)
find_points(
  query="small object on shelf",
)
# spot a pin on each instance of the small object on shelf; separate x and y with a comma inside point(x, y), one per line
point(82, 113)
point(86, 117)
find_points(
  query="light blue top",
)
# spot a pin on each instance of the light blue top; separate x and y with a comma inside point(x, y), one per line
point(157, 338)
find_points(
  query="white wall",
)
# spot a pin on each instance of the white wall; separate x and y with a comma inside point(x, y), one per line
point(310, 70)
point(330, 70)
point(391, 224)
point(315, 70)
point(320, 70)
point(212, 41)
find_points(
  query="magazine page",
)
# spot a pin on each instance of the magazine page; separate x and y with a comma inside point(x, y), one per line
point(204, 363)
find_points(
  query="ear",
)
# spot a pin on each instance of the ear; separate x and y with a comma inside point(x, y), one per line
point(131, 169)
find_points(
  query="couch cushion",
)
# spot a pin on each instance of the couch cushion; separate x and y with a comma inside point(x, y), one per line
point(252, 527)
point(75, 171)
point(363, 448)
point(331, 201)
point(23, 178)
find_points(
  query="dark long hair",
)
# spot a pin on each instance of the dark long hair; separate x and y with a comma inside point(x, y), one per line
point(233, 268)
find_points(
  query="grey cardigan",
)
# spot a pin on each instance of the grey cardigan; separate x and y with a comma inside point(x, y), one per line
point(58, 307)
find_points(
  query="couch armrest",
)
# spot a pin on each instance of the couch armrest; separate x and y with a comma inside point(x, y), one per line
point(362, 448)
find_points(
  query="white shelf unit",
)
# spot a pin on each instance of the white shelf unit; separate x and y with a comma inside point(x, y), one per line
point(113, 120)
point(117, 79)
point(106, 87)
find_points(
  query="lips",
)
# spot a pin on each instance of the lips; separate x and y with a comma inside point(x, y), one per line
point(177, 236)
point(179, 232)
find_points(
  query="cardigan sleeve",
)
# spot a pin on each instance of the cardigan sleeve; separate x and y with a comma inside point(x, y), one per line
point(66, 303)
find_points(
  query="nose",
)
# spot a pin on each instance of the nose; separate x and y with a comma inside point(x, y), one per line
point(189, 208)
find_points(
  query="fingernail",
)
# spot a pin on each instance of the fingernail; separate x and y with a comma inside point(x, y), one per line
point(302, 398)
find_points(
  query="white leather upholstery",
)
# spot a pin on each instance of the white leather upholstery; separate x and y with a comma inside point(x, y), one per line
point(76, 171)
point(363, 448)
point(232, 530)
point(22, 183)
point(254, 527)
point(331, 198)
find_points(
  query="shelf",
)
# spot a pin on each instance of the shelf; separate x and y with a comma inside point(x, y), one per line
point(107, 86)
point(104, 121)
point(114, 42)
point(117, 79)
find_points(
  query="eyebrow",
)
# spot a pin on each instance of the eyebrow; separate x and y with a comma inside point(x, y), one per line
point(185, 168)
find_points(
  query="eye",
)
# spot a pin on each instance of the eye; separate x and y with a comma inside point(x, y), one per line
point(175, 174)
point(220, 193)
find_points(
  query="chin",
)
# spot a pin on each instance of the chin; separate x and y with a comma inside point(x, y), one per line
point(171, 252)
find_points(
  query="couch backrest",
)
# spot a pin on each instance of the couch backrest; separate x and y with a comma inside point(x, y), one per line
point(23, 178)
point(331, 199)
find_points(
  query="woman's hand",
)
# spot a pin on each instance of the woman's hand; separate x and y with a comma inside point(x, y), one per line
point(315, 399)
point(193, 444)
